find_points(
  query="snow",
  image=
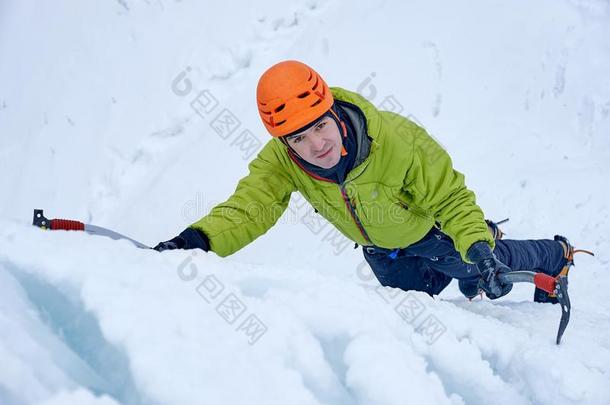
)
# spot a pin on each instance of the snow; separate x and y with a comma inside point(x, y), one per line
point(97, 124)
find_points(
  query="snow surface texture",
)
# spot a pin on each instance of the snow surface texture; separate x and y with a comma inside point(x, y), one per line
point(107, 113)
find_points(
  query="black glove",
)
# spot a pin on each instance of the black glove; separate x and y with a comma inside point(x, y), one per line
point(489, 266)
point(188, 239)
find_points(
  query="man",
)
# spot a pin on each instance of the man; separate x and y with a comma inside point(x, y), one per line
point(381, 180)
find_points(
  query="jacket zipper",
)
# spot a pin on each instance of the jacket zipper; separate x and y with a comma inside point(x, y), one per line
point(352, 211)
point(415, 211)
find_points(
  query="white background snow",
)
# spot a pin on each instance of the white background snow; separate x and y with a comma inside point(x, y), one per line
point(96, 124)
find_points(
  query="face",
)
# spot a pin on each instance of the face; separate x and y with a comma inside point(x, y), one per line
point(319, 145)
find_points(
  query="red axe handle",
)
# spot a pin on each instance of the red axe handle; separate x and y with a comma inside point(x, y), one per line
point(67, 225)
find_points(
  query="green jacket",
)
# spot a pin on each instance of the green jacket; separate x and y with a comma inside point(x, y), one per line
point(402, 183)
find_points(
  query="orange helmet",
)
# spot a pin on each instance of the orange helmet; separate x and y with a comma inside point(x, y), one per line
point(291, 95)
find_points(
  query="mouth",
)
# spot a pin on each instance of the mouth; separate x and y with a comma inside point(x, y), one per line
point(323, 155)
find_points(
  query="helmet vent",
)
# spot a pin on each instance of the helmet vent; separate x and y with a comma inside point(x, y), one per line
point(280, 108)
point(303, 95)
point(316, 103)
point(272, 122)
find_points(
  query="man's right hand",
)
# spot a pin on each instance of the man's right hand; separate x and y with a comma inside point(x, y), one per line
point(188, 239)
point(168, 245)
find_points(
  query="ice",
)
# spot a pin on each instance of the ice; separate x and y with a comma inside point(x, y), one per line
point(106, 116)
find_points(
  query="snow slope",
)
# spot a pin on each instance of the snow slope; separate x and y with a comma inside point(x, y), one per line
point(97, 123)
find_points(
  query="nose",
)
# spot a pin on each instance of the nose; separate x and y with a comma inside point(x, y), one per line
point(317, 143)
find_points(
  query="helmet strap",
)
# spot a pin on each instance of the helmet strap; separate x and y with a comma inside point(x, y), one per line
point(343, 128)
point(340, 123)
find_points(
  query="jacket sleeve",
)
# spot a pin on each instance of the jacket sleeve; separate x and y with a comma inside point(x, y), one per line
point(257, 203)
point(440, 190)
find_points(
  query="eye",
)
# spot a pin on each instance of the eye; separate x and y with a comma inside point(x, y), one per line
point(321, 125)
point(297, 139)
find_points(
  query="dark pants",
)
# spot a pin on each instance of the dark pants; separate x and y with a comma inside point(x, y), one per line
point(430, 264)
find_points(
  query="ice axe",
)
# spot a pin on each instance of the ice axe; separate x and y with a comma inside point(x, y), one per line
point(558, 286)
point(549, 284)
point(71, 225)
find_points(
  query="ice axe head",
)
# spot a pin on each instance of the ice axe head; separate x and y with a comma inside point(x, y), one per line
point(40, 221)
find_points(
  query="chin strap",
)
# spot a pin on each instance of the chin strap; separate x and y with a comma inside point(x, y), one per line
point(343, 129)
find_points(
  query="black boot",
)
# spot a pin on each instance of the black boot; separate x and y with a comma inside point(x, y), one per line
point(469, 287)
point(568, 262)
point(494, 228)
